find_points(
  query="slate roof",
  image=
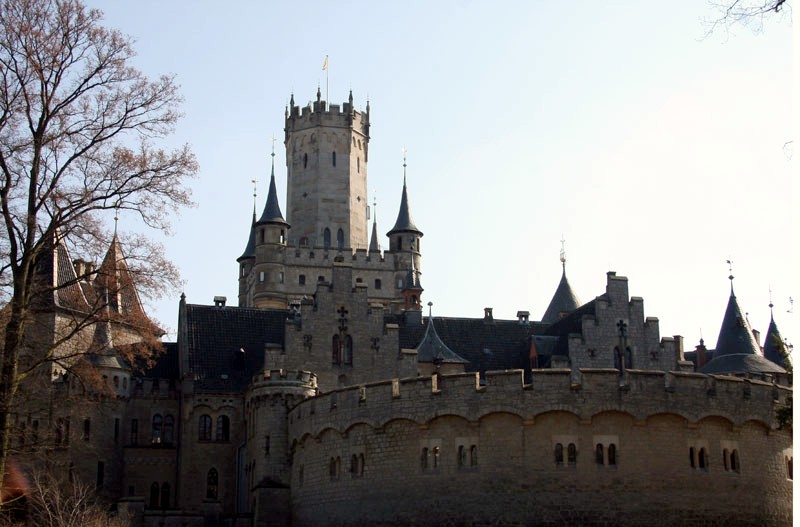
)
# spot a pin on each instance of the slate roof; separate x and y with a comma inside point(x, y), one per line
point(54, 267)
point(272, 210)
point(564, 300)
point(250, 250)
point(572, 322)
point(774, 347)
point(373, 240)
point(432, 349)
point(404, 223)
point(115, 277)
point(737, 350)
point(215, 337)
point(166, 364)
point(485, 344)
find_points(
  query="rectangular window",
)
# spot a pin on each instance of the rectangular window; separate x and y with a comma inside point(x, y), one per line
point(87, 429)
point(134, 432)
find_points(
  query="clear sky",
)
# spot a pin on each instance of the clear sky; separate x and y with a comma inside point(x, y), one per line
point(655, 151)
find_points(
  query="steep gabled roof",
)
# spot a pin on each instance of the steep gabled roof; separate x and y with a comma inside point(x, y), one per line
point(56, 273)
point(115, 277)
point(225, 345)
point(737, 350)
point(564, 301)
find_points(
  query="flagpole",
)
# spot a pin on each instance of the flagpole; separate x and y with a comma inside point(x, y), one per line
point(327, 68)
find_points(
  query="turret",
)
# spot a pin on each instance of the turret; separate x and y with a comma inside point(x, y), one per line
point(737, 350)
point(270, 244)
point(412, 291)
point(775, 349)
point(564, 300)
point(246, 261)
point(405, 237)
point(326, 160)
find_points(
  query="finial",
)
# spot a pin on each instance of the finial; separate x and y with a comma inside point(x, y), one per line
point(273, 155)
point(791, 305)
point(319, 93)
point(116, 218)
point(291, 100)
point(702, 342)
point(374, 206)
point(563, 254)
point(351, 98)
point(730, 270)
point(405, 151)
point(430, 310)
point(254, 182)
point(367, 104)
point(770, 301)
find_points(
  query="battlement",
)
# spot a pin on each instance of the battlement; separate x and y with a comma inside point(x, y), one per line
point(282, 381)
point(319, 256)
point(318, 112)
point(583, 392)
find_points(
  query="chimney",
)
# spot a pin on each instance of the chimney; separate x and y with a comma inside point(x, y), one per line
point(219, 301)
point(487, 314)
point(523, 317)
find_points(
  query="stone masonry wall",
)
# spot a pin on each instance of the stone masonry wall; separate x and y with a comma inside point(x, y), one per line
point(653, 419)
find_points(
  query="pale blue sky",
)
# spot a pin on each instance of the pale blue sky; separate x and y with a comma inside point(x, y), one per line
point(658, 153)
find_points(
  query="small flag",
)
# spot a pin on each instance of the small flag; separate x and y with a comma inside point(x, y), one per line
point(325, 64)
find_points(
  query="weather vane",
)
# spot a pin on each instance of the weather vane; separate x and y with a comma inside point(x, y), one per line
point(563, 253)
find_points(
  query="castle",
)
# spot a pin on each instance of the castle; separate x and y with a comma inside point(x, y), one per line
point(327, 397)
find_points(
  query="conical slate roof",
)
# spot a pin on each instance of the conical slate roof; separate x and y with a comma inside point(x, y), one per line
point(432, 349)
point(404, 223)
point(250, 250)
point(564, 301)
point(737, 350)
point(114, 277)
point(774, 347)
point(272, 210)
point(412, 280)
point(373, 241)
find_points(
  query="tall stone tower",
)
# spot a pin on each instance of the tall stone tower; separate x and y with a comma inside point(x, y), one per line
point(326, 159)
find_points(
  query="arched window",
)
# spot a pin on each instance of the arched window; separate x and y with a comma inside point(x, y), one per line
point(725, 463)
point(572, 454)
point(204, 433)
point(302, 279)
point(598, 454)
point(305, 160)
point(691, 457)
point(424, 459)
point(335, 350)
point(617, 359)
point(361, 464)
point(354, 465)
point(702, 459)
point(612, 454)
point(169, 429)
point(358, 164)
point(165, 495)
point(735, 461)
point(628, 358)
point(462, 456)
point(436, 453)
point(223, 428)
point(304, 241)
point(87, 429)
point(789, 468)
point(154, 495)
point(333, 158)
point(332, 468)
point(559, 454)
point(348, 349)
point(377, 283)
point(212, 481)
point(473, 456)
point(155, 436)
point(340, 239)
point(326, 238)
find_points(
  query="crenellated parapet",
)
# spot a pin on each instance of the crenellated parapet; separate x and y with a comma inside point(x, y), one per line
point(584, 393)
point(320, 113)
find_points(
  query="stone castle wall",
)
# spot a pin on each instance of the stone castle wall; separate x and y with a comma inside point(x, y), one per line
point(358, 452)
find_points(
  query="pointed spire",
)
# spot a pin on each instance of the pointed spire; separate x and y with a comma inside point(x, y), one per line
point(319, 93)
point(404, 223)
point(374, 246)
point(114, 277)
point(350, 99)
point(564, 300)
point(775, 348)
point(737, 350)
point(291, 100)
point(272, 210)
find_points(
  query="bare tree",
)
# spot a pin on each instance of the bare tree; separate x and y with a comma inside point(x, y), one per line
point(750, 13)
point(78, 127)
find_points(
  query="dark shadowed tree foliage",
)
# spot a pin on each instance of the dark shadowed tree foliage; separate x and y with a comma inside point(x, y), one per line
point(79, 129)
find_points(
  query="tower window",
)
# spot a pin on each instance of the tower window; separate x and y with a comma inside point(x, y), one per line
point(283, 236)
point(305, 160)
point(169, 429)
point(559, 454)
point(358, 164)
point(87, 429)
point(612, 454)
point(156, 434)
point(204, 432)
point(304, 241)
point(377, 283)
point(134, 431)
point(340, 239)
point(326, 238)
point(302, 279)
point(261, 276)
point(223, 428)
point(348, 350)
point(572, 454)
point(335, 350)
point(399, 243)
point(333, 158)
point(212, 480)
